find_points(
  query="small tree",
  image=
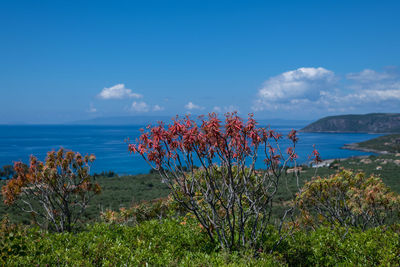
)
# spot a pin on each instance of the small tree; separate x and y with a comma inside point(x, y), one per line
point(55, 192)
point(231, 200)
point(347, 199)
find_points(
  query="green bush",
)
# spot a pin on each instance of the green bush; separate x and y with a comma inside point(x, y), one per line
point(347, 199)
point(174, 242)
point(159, 208)
point(154, 242)
point(331, 247)
point(12, 240)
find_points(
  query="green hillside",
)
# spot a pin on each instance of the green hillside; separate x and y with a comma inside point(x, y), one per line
point(383, 144)
point(367, 123)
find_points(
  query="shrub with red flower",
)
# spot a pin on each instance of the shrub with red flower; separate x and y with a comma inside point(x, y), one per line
point(231, 200)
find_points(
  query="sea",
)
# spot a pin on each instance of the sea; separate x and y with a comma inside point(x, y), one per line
point(110, 144)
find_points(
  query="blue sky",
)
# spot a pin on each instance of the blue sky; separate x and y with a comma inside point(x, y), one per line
point(62, 61)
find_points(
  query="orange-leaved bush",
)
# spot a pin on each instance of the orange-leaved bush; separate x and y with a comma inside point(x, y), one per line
point(347, 199)
point(228, 196)
point(55, 192)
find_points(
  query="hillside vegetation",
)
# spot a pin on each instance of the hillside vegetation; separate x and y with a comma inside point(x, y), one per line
point(125, 191)
point(180, 241)
point(383, 144)
point(173, 240)
point(368, 123)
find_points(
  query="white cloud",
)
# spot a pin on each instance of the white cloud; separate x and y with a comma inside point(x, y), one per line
point(140, 106)
point(191, 106)
point(231, 108)
point(118, 92)
point(369, 86)
point(296, 85)
point(319, 89)
point(225, 109)
point(92, 109)
point(157, 108)
point(367, 76)
point(217, 109)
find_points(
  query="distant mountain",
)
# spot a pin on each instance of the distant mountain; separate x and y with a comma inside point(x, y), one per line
point(367, 123)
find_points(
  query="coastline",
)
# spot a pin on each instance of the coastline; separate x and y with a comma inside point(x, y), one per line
point(348, 132)
point(355, 146)
point(327, 162)
point(352, 146)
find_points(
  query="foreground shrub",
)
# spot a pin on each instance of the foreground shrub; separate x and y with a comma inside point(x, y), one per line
point(231, 201)
point(170, 242)
point(12, 240)
point(327, 247)
point(348, 199)
point(153, 242)
point(160, 208)
point(56, 192)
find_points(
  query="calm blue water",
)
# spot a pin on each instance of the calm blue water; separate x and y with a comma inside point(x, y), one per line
point(17, 143)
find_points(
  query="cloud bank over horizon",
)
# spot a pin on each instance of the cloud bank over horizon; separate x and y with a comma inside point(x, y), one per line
point(306, 92)
point(120, 92)
point(321, 89)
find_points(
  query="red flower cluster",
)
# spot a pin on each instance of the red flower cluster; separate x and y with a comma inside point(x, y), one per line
point(233, 141)
point(315, 156)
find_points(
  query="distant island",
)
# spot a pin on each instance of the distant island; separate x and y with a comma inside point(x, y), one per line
point(366, 123)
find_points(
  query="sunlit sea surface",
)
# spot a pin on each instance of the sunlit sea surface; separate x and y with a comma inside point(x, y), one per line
point(109, 144)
